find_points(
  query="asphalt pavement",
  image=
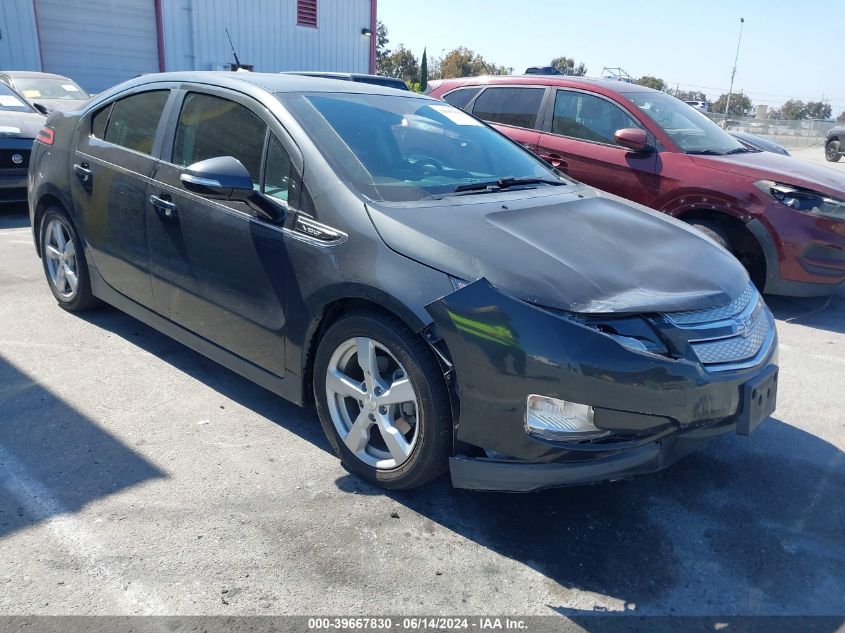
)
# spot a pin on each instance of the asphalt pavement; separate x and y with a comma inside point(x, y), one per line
point(138, 477)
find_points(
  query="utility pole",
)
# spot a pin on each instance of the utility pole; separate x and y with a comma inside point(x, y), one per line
point(733, 72)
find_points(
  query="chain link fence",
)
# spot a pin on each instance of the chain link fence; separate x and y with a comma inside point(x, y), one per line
point(790, 134)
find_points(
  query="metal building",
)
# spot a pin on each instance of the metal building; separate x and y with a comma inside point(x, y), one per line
point(100, 43)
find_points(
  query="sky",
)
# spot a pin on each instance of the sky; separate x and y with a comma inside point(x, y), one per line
point(788, 50)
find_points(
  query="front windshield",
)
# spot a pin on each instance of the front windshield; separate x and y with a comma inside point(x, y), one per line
point(10, 102)
point(692, 131)
point(48, 88)
point(398, 148)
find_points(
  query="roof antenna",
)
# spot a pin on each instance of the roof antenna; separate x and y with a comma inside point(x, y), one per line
point(237, 61)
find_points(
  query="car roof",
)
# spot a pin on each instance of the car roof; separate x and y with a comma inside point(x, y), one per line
point(610, 85)
point(31, 73)
point(266, 82)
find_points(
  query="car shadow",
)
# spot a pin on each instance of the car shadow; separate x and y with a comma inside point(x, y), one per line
point(823, 313)
point(761, 520)
point(53, 459)
point(13, 216)
point(226, 382)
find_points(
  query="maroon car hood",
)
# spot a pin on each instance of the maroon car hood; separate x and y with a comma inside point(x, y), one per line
point(785, 169)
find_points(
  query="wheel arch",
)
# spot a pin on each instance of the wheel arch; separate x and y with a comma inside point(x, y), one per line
point(48, 198)
point(745, 243)
point(356, 300)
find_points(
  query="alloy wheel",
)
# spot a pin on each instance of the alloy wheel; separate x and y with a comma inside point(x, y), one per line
point(61, 260)
point(372, 403)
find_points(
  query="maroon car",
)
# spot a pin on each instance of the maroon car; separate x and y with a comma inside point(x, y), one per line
point(783, 218)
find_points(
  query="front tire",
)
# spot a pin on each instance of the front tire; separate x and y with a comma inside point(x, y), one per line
point(831, 151)
point(64, 262)
point(382, 401)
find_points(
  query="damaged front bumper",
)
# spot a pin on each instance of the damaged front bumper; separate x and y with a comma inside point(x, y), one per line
point(656, 409)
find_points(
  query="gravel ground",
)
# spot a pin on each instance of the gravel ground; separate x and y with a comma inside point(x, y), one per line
point(138, 477)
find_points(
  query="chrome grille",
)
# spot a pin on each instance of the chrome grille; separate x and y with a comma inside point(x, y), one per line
point(707, 315)
point(733, 336)
point(736, 348)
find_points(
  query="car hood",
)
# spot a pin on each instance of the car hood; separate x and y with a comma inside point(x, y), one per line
point(29, 124)
point(581, 251)
point(784, 169)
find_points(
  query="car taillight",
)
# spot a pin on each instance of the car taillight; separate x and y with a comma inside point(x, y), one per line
point(46, 135)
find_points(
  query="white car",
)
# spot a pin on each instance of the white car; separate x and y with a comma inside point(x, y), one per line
point(699, 105)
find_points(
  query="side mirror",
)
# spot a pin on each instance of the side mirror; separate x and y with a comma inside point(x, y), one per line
point(41, 108)
point(633, 138)
point(222, 177)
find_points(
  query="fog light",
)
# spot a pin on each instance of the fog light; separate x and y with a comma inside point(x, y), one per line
point(555, 419)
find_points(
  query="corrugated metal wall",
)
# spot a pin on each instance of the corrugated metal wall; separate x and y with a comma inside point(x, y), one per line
point(98, 43)
point(265, 34)
point(18, 37)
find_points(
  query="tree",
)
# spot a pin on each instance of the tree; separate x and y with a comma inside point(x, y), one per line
point(424, 72)
point(740, 104)
point(382, 51)
point(566, 66)
point(652, 82)
point(401, 63)
point(793, 110)
point(817, 110)
point(688, 95)
point(841, 117)
point(463, 62)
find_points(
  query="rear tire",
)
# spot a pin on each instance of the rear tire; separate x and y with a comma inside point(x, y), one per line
point(831, 151)
point(64, 262)
point(399, 441)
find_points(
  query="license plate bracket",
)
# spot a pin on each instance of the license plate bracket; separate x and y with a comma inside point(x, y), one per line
point(759, 399)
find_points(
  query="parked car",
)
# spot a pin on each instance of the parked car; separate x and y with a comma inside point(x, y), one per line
point(761, 143)
point(699, 105)
point(834, 146)
point(376, 80)
point(45, 91)
point(783, 218)
point(19, 125)
point(446, 298)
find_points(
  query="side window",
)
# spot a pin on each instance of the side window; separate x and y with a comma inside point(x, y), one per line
point(134, 120)
point(510, 106)
point(212, 126)
point(461, 97)
point(278, 171)
point(588, 117)
point(99, 121)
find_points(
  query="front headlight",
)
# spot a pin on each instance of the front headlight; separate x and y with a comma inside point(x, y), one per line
point(631, 332)
point(802, 199)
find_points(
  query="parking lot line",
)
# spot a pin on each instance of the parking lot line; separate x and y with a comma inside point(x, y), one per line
point(74, 536)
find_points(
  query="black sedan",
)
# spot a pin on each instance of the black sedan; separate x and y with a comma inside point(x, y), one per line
point(19, 124)
point(447, 299)
point(834, 145)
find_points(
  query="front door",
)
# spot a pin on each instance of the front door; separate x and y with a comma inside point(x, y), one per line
point(110, 171)
point(578, 139)
point(219, 266)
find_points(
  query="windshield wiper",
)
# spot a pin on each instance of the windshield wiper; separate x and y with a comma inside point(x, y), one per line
point(705, 152)
point(741, 150)
point(505, 183)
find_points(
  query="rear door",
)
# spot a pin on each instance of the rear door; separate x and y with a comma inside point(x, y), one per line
point(513, 110)
point(577, 138)
point(113, 161)
point(219, 267)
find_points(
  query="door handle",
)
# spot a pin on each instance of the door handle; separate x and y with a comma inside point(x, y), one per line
point(83, 173)
point(165, 207)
